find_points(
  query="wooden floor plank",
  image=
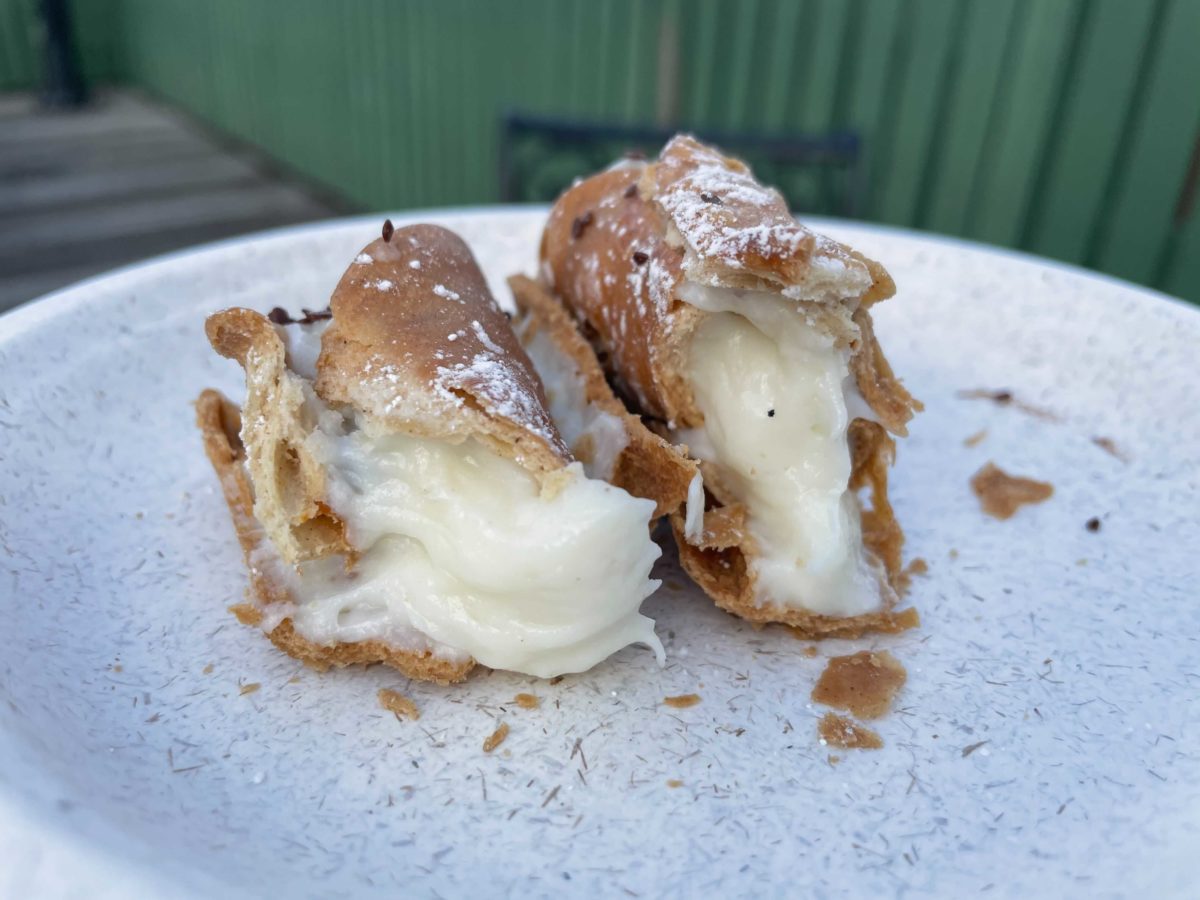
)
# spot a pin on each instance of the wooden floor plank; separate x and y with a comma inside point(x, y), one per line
point(120, 181)
point(88, 187)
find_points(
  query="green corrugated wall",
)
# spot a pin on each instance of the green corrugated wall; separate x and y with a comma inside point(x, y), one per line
point(1063, 127)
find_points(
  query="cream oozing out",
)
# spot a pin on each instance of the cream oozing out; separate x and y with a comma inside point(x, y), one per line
point(594, 435)
point(464, 553)
point(773, 391)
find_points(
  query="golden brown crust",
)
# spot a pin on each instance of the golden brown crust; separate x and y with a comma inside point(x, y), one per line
point(219, 423)
point(724, 216)
point(617, 276)
point(290, 501)
point(418, 344)
point(891, 402)
point(648, 466)
point(617, 247)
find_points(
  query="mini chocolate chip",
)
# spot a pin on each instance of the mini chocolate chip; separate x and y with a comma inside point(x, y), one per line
point(710, 197)
point(1093, 524)
point(388, 230)
point(631, 191)
point(279, 316)
point(318, 315)
point(770, 413)
point(579, 226)
point(639, 257)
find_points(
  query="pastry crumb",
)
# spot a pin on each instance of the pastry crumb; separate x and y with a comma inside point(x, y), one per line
point(976, 439)
point(247, 613)
point(864, 683)
point(207, 670)
point(682, 701)
point(674, 783)
point(917, 566)
point(527, 701)
point(846, 734)
point(1109, 446)
point(250, 688)
point(397, 703)
point(897, 622)
point(1001, 494)
point(496, 738)
point(1007, 398)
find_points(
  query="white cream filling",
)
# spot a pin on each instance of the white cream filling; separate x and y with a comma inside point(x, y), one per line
point(591, 432)
point(303, 345)
point(773, 392)
point(693, 518)
point(463, 553)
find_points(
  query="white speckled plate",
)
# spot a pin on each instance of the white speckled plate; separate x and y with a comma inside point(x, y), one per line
point(131, 764)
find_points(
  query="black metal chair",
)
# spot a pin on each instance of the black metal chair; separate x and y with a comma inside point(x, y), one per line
point(541, 156)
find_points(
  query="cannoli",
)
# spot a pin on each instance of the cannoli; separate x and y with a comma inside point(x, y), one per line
point(400, 490)
point(746, 338)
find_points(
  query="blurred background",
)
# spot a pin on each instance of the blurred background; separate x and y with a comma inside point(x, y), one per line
point(1067, 128)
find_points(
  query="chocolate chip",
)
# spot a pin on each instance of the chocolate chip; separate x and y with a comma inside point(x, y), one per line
point(639, 257)
point(710, 197)
point(280, 316)
point(631, 191)
point(1093, 524)
point(579, 226)
point(770, 413)
point(318, 315)
point(388, 230)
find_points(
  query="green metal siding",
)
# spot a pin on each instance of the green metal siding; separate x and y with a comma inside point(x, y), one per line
point(18, 44)
point(1064, 127)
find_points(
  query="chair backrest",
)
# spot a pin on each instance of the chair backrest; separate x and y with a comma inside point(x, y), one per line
point(541, 156)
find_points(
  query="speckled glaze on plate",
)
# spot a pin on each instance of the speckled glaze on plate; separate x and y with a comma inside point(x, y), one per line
point(132, 764)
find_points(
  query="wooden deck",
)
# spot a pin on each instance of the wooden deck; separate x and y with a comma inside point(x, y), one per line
point(122, 180)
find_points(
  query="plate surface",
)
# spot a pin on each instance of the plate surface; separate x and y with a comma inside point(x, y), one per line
point(131, 762)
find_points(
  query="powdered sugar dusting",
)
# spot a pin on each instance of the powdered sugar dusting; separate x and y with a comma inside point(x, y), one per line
point(702, 204)
point(498, 389)
point(414, 264)
point(363, 259)
point(484, 338)
point(382, 284)
point(446, 294)
point(724, 216)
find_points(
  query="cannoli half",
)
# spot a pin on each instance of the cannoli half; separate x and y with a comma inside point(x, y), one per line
point(401, 492)
point(747, 338)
